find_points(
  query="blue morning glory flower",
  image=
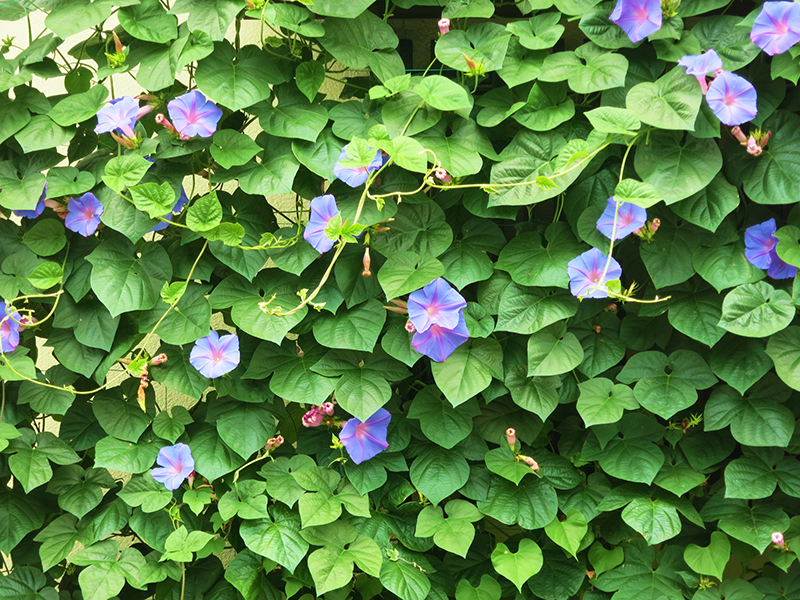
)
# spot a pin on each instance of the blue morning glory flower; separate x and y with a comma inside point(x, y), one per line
point(435, 304)
point(586, 278)
point(368, 439)
point(629, 218)
point(175, 465)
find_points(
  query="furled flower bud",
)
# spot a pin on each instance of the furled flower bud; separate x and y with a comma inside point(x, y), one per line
point(313, 418)
point(511, 437)
point(26, 320)
point(596, 328)
point(739, 135)
point(327, 408)
point(443, 175)
point(159, 359)
point(410, 327)
point(190, 479)
point(638, 231)
point(162, 120)
point(753, 148)
point(444, 26)
point(367, 262)
point(777, 539)
point(611, 307)
point(117, 43)
point(298, 350)
point(655, 224)
point(531, 463)
point(470, 63)
point(274, 442)
point(764, 139)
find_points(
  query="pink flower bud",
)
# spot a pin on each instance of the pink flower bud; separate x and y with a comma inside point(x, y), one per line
point(159, 359)
point(327, 408)
point(313, 418)
point(444, 26)
point(777, 539)
point(470, 63)
point(531, 463)
point(162, 120)
point(443, 175)
point(753, 147)
point(739, 135)
point(765, 139)
point(511, 437)
point(410, 327)
point(274, 442)
point(611, 307)
point(117, 44)
point(26, 320)
point(144, 110)
point(655, 224)
point(638, 231)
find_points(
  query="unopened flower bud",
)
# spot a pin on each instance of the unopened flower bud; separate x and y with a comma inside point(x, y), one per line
point(313, 418)
point(367, 262)
point(511, 437)
point(274, 442)
point(117, 43)
point(327, 408)
point(443, 175)
point(777, 539)
point(764, 139)
point(739, 135)
point(147, 108)
point(655, 224)
point(26, 320)
point(531, 463)
point(159, 359)
point(596, 328)
point(298, 350)
point(191, 479)
point(611, 307)
point(638, 231)
point(470, 63)
point(444, 26)
point(410, 327)
point(753, 147)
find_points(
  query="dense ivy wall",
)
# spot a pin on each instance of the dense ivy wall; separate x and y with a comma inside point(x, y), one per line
point(528, 329)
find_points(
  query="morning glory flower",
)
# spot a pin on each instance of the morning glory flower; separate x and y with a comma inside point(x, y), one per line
point(701, 65)
point(760, 249)
point(83, 214)
point(367, 439)
point(732, 98)
point(435, 304)
point(777, 27)
point(214, 356)
point(120, 115)
point(37, 211)
point(323, 209)
point(586, 278)
point(437, 343)
point(356, 176)
point(629, 218)
point(182, 201)
point(175, 465)
point(193, 114)
point(637, 18)
point(9, 329)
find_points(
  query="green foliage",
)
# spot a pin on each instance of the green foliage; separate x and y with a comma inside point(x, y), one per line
point(639, 444)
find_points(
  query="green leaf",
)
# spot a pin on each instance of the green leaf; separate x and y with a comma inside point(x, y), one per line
point(533, 504)
point(111, 453)
point(753, 525)
point(604, 560)
point(697, 314)
point(528, 310)
point(156, 200)
point(440, 421)
point(609, 119)
point(213, 457)
point(568, 533)
point(535, 394)
point(468, 370)
point(126, 280)
point(672, 102)
point(443, 93)
point(205, 213)
point(756, 310)
point(454, 534)
point(231, 148)
point(212, 17)
point(406, 272)
point(668, 257)
point(125, 171)
point(355, 328)
point(553, 351)
point(309, 77)
point(31, 467)
point(723, 32)
point(42, 133)
point(293, 119)
point(678, 169)
point(237, 79)
point(484, 43)
point(244, 427)
point(656, 520)
point(279, 540)
point(145, 492)
point(520, 566)
point(488, 589)
point(708, 207)
point(419, 228)
point(77, 108)
point(149, 21)
point(772, 177)
point(784, 349)
point(437, 473)
point(404, 580)
point(602, 401)
point(503, 462)
point(755, 419)
point(101, 581)
point(46, 275)
point(637, 192)
point(551, 258)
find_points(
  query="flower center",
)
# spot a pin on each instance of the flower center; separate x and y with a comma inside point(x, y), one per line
point(641, 14)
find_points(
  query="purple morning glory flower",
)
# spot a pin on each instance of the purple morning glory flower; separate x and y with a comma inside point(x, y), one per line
point(36, 212)
point(777, 27)
point(357, 176)
point(437, 343)
point(732, 98)
point(175, 465)
point(193, 114)
point(586, 271)
point(120, 115)
point(435, 304)
point(701, 64)
point(84, 214)
point(629, 218)
point(214, 356)
point(637, 18)
point(9, 329)
point(183, 200)
point(323, 209)
point(760, 250)
point(367, 439)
